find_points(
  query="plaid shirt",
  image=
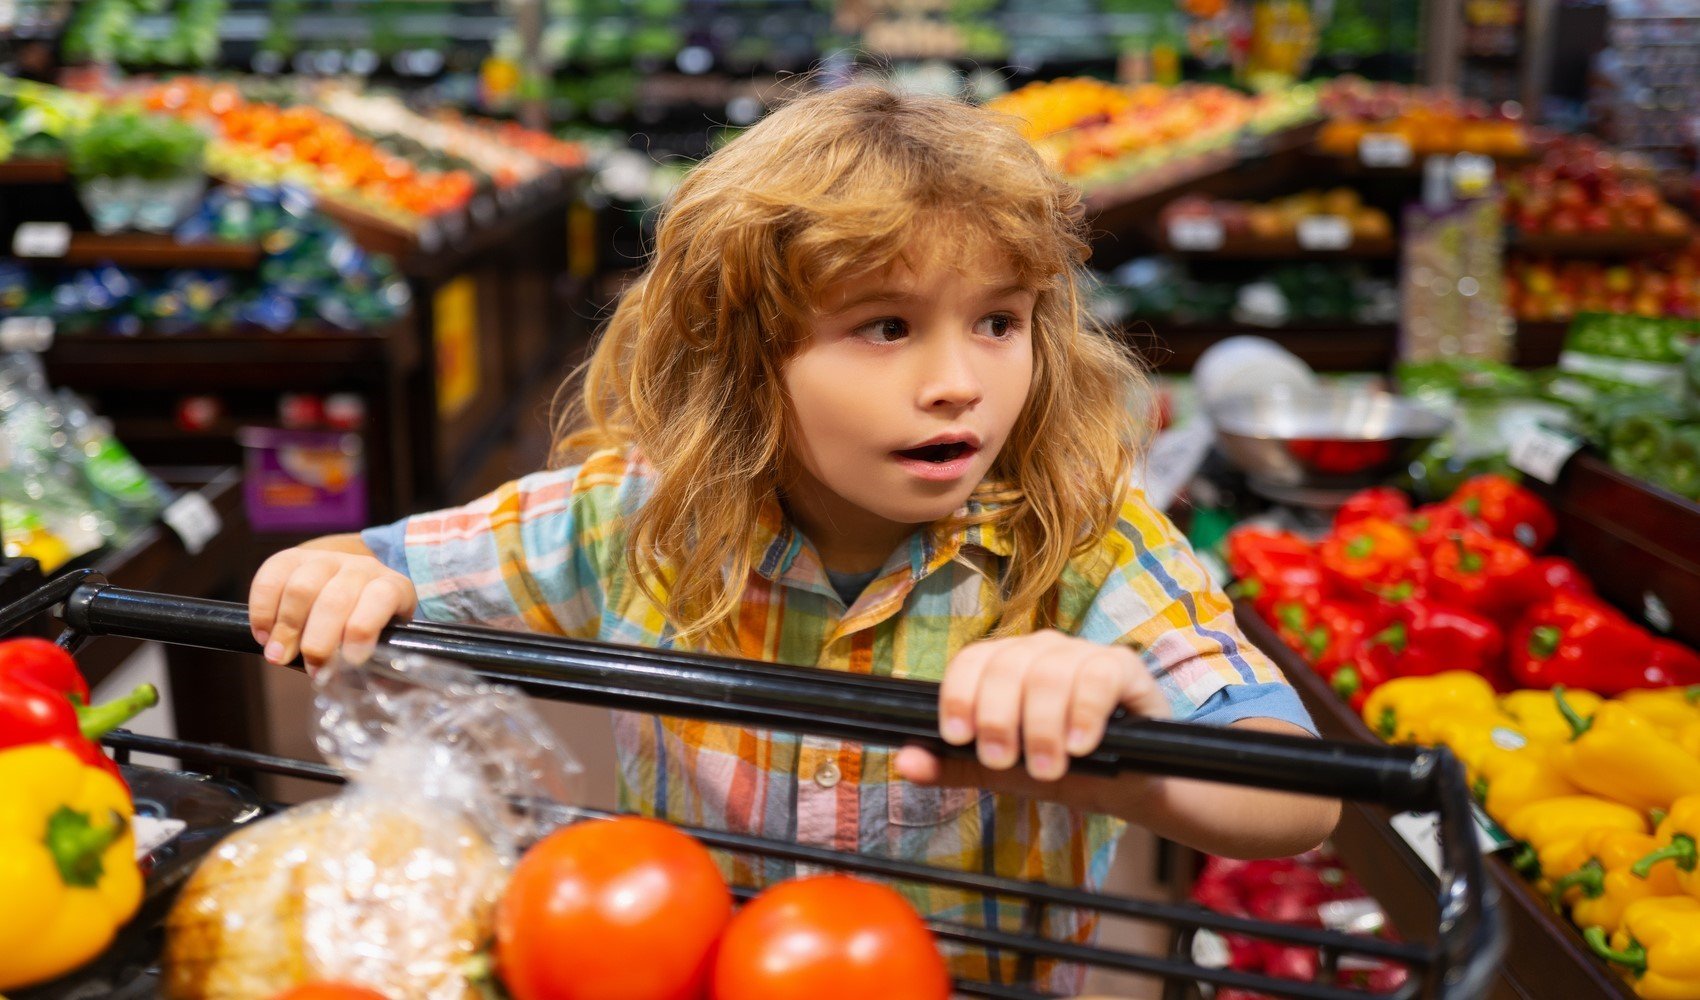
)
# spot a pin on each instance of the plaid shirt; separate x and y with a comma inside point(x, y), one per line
point(546, 554)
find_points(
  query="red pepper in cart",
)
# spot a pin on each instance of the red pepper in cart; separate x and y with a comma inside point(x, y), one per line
point(1579, 642)
point(1475, 570)
point(1373, 552)
point(1508, 510)
point(1429, 638)
point(1671, 665)
point(1548, 575)
point(32, 713)
point(46, 664)
point(1383, 502)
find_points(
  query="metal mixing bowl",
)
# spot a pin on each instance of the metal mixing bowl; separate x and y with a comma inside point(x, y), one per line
point(1323, 438)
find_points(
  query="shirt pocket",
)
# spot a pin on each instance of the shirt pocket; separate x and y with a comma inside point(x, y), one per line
point(913, 805)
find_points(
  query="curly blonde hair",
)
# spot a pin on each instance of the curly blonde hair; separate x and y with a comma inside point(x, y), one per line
point(689, 371)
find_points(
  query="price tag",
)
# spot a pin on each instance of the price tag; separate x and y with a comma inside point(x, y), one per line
point(1324, 232)
point(1656, 612)
point(194, 520)
point(26, 333)
point(1384, 149)
point(1200, 233)
point(1421, 832)
point(1541, 452)
point(154, 832)
point(41, 239)
point(484, 209)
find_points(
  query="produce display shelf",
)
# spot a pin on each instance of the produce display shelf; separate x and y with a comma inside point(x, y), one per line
point(1353, 167)
point(1289, 248)
point(1332, 347)
point(141, 250)
point(23, 171)
point(1639, 543)
point(1604, 246)
point(1547, 957)
point(1453, 960)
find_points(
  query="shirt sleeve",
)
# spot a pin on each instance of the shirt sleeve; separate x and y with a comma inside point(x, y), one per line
point(533, 555)
point(1158, 598)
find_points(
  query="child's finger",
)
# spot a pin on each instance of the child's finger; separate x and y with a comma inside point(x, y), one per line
point(1141, 694)
point(379, 604)
point(266, 592)
point(329, 617)
point(997, 706)
point(299, 594)
point(1049, 687)
point(959, 690)
point(1097, 684)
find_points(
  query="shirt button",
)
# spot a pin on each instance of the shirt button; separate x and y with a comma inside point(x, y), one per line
point(827, 775)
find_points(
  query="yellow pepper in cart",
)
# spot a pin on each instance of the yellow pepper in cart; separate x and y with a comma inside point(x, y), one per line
point(67, 863)
point(1537, 715)
point(1671, 710)
point(1677, 836)
point(1619, 754)
point(1511, 779)
point(1553, 825)
point(1600, 884)
point(1659, 943)
point(1405, 709)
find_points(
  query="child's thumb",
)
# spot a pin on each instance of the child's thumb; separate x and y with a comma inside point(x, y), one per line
point(923, 767)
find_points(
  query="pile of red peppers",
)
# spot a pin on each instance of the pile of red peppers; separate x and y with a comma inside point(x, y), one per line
point(1288, 891)
point(1397, 591)
point(45, 700)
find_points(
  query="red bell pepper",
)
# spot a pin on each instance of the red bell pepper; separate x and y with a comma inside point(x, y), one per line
point(32, 713)
point(1436, 523)
point(1671, 665)
point(1509, 511)
point(1430, 638)
point(1548, 575)
point(1383, 502)
point(44, 663)
point(1272, 567)
point(1372, 552)
point(1579, 642)
point(1326, 630)
point(1369, 666)
point(1476, 570)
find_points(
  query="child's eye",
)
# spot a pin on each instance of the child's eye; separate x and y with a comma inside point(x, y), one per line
point(883, 331)
point(1000, 326)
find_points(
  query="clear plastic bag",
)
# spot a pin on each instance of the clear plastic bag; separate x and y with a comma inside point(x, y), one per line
point(392, 883)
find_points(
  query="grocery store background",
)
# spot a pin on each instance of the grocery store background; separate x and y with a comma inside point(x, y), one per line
point(317, 264)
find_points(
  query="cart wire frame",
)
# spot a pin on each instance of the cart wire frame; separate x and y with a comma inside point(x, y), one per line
point(1458, 964)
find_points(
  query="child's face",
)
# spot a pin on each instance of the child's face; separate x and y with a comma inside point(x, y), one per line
point(940, 350)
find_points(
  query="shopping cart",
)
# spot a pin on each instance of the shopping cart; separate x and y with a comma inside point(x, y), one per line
point(1458, 963)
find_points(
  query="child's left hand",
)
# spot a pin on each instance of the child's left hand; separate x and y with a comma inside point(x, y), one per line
point(1047, 694)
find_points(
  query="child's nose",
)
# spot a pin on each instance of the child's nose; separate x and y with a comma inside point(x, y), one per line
point(949, 378)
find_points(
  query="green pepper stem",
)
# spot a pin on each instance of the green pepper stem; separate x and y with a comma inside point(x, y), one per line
point(1543, 641)
point(77, 845)
point(98, 720)
point(1590, 878)
point(1527, 861)
point(1479, 788)
point(1346, 682)
point(1692, 693)
point(1633, 957)
point(1578, 725)
point(1394, 636)
point(1679, 851)
point(1388, 724)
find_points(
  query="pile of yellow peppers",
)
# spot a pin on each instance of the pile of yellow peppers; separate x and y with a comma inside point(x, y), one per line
point(1604, 797)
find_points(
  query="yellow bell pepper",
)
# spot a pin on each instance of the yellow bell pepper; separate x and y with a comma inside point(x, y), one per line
point(1552, 825)
point(1511, 779)
point(1620, 755)
point(1689, 739)
point(1669, 709)
point(1474, 736)
point(1657, 943)
point(1677, 836)
point(1537, 715)
point(1404, 709)
point(67, 860)
point(1600, 883)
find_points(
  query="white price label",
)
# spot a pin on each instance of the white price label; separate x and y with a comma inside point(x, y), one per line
point(1541, 452)
point(484, 209)
point(41, 239)
point(1324, 232)
point(1384, 149)
point(1421, 831)
point(154, 832)
point(1196, 233)
point(26, 333)
point(194, 520)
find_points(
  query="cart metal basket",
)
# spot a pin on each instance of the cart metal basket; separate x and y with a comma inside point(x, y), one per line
point(1458, 963)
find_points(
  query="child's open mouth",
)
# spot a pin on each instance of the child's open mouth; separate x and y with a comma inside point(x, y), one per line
point(943, 462)
point(938, 454)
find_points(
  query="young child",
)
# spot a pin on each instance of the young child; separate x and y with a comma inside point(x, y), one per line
point(853, 417)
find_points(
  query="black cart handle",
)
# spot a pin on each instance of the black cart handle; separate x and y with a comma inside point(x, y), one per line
point(881, 711)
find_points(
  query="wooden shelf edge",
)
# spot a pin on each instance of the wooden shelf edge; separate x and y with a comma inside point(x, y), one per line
point(1169, 178)
point(24, 171)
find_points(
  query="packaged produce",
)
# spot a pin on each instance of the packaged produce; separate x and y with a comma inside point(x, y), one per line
point(393, 883)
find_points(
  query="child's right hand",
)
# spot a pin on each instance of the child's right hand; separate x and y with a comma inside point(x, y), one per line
point(318, 601)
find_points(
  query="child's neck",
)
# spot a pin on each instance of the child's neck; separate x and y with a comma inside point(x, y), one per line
point(848, 540)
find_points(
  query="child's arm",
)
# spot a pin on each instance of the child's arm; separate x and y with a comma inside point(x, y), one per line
point(324, 595)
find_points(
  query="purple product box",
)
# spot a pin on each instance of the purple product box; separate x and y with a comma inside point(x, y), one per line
point(300, 480)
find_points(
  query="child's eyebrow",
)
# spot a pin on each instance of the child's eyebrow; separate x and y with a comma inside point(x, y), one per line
point(889, 295)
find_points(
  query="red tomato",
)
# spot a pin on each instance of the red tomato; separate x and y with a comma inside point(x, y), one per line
point(625, 908)
point(829, 937)
point(330, 991)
